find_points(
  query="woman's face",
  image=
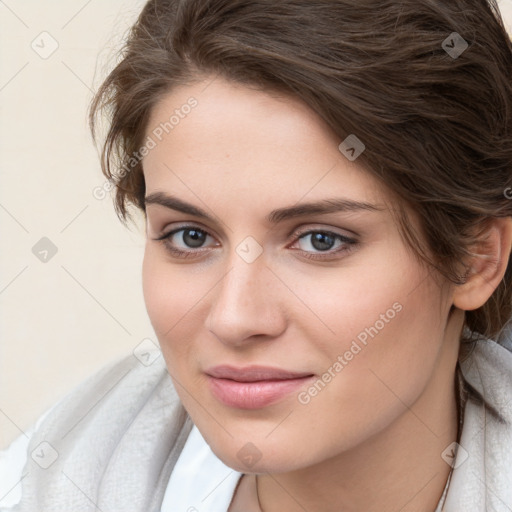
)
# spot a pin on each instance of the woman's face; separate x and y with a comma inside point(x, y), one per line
point(294, 321)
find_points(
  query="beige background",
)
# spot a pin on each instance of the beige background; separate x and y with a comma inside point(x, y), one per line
point(62, 319)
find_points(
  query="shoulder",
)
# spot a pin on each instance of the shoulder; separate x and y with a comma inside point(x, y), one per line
point(487, 367)
point(482, 470)
point(127, 415)
point(116, 391)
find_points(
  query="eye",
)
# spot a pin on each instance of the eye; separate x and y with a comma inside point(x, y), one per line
point(192, 241)
point(186, 240)
point(323, 244)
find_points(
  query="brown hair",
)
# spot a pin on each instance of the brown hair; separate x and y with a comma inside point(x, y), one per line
point(427, 87)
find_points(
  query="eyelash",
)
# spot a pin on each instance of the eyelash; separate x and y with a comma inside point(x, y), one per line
point(348, 243)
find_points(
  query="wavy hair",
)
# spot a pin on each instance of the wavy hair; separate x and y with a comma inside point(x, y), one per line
point(427, 86)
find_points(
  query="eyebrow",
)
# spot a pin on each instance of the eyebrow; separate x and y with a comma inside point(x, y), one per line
point(275, 216)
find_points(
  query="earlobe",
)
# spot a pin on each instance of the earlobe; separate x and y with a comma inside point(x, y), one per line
point(487, 266)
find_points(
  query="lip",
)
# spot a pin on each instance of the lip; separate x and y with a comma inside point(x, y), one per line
point(253, 387)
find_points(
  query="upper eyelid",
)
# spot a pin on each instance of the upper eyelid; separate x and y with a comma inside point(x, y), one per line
point(185, 226)
point(302, 218)
point(344, 238)
point(298, 233)
point(332, 231)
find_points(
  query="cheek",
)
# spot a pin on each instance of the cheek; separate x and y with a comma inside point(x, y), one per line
point(176, 302)
point(369, 298)
point(382, 321)
point(169, 295)
point(383, 354)
point(158, 298)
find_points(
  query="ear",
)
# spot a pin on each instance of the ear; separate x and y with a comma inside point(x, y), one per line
point(487, 265)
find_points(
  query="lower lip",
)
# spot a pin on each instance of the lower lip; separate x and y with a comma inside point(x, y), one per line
point(254, 395)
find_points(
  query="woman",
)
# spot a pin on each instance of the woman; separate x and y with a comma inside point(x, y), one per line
point(325, 187)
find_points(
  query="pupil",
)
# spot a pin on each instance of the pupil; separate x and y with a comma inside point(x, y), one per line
point(321, 241)
point(194, 238)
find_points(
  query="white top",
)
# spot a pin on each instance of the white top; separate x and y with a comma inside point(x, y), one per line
point(200, 481)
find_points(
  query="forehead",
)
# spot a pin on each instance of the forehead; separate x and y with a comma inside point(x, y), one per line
point(217, 135)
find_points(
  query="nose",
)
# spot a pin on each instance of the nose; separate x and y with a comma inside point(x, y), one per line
point(246, 304)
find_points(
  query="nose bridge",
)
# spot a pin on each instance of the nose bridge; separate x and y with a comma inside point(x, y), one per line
point(240, 290)
point(240, 285)
point(243, 304)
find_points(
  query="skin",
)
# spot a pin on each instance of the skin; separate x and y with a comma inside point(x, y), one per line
point(372, 438)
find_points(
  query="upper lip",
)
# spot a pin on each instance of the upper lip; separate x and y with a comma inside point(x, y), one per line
point(253, 373)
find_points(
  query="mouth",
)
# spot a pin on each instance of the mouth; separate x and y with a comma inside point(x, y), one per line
point(253, 387)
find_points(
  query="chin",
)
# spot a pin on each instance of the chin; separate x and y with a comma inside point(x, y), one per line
point(253, 452)
point(250, 459)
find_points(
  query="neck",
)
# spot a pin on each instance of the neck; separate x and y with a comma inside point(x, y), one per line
point(400, 468)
